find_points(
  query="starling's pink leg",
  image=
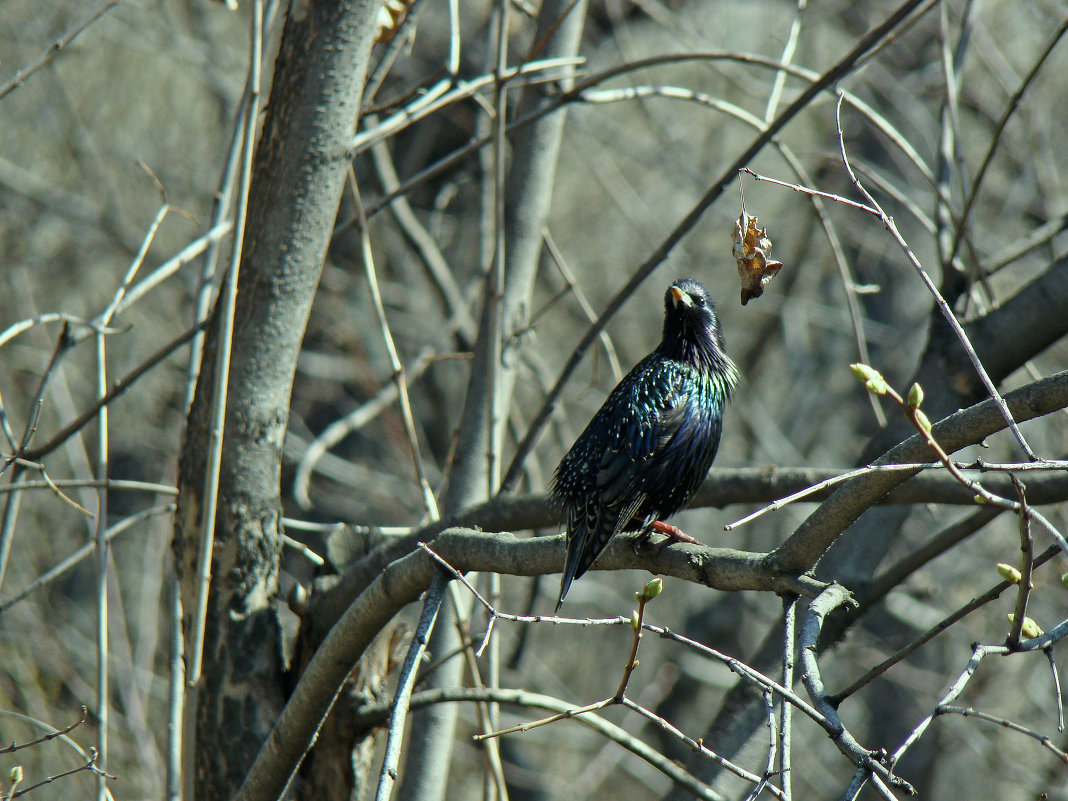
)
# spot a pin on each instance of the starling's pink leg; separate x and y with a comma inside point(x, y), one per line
point(673, 532)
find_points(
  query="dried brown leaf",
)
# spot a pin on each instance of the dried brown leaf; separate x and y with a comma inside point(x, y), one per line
point(390, 17)
point(752, 252)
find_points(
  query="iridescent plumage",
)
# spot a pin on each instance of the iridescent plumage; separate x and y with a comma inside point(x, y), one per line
point(646, 451)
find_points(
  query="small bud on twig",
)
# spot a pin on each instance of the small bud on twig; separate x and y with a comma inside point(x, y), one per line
point(1009, 573)
point(872, 378)
point(652, 589)
point(915, 396)
point(922, 421)
point(1030, 629)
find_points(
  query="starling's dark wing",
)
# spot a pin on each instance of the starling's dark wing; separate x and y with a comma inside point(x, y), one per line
point(640, 419)
point(661, 446)
point(688, 445)
point(639, 432)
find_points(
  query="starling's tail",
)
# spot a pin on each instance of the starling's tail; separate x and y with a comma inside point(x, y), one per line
point(584, 545)
point(565, 585)
point(575, 543)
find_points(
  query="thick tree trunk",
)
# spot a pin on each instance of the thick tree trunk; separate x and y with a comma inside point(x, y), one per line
point(298, 175)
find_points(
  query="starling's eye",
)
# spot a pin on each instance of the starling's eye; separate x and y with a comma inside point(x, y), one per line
point(698, 300)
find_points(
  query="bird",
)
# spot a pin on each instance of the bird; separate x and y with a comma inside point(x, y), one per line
point(648, 448)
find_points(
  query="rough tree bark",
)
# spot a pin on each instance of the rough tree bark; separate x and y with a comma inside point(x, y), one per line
point(298, 175)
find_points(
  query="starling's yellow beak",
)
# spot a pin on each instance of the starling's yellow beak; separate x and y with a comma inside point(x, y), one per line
point(679, 296)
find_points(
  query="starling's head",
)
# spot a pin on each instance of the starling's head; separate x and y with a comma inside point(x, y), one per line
point(691, 327)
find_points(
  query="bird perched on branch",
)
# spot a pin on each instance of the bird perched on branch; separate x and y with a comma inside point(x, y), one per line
point(646, 451)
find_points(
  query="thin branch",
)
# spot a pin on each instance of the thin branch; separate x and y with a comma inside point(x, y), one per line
point(54, 49)
point(572, 285)
point(375, 714)
point(1010, 109)
point(1026, 558)
point(225, 319)
point(877, 385)
point(92, 483)
point(979, 651)
point(1056, 689)
point(312, 453)
point(773, 750)
point(100, 543)
point(8, 749)
point(789, 644)
point(976, 603)
point(698, 747)
point(812, 490)
point(90, 765)
point(406, 680)
point(429, 502)
point(117, 388)
point(829, 600)
point(943, 307)
point(787, 56)
point(813, 192)
point(175, 693)
point(967, 711)
point(576, 94)
point(444, 93)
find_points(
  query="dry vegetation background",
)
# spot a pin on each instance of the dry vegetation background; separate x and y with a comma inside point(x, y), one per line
point(158, 85)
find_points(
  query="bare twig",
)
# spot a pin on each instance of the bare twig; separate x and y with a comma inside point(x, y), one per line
point(830, 599)
point(55, 48)
point(990, 595)
point(90, 765)
point(429, 502)
point(651, 590)
point(808, 191)
point(317, 449)
point(698, 747)
point(117, 388)
point(577, 94)
point(376, 713)
point(877, 385)
point(1026, 558)
point(571, 283)
point(1056, 689)
point(789, 644)
point(175, 693)
point(8, 749)
point(943, 307)
point(1006, 115)
point(100, 542)
point(967, 711)
point(773, 750)
point(227, 305)
point(787, 56)
point(399, 709)
point(979, 651)
point(812, 489)
point(445, 93)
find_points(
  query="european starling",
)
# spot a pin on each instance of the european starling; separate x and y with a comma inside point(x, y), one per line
point(646, 451)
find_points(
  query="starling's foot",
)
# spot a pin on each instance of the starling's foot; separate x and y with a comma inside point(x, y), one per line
point(673, 533)
point(642, 537)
